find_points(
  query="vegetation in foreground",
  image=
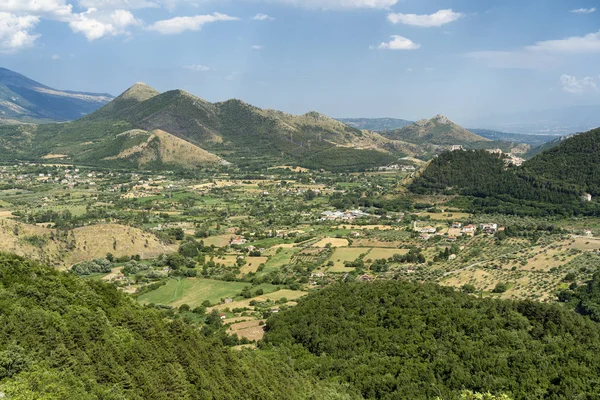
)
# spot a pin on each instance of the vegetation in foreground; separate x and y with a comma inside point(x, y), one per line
point(64, 337)
point(392, 340)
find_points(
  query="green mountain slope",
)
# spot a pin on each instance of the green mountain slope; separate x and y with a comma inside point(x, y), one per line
point(227, 132)
point(393, 340)
point(24, 100)
point(553, 182)
point(247, 135)
point(438, 130)
point(62, 337)
point(575, 159)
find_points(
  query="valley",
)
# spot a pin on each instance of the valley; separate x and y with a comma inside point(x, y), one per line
point(226, 223)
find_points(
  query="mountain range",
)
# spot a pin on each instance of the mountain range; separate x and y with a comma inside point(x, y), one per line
point(25, 100)
point(143, 128)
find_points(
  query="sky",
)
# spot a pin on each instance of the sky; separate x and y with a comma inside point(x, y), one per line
point(407, 59)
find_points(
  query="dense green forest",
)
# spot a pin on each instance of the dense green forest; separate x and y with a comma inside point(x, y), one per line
point(493, 187)
point(584, 299)
point(62, 337)
point(395, 340)
point(576, 159)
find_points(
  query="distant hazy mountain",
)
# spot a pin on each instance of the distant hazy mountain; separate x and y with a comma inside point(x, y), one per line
point(438, 130)
point(552, 122)
point(532, 140)
point(375, 124)
point(25, 100)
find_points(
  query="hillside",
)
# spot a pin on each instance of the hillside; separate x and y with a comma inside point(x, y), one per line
point(25, 100)
point(80, 244)
point(233, 130)
point(546, 146)
point(63, 337)
point(375, 124)
point(551, 183)
point(438, 130)
point(425, 342)
point(575, 159)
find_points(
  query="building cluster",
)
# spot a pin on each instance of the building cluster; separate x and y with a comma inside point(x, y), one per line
point(350, 215)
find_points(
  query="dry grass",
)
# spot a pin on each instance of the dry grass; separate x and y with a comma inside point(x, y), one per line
point(252, 264)
point(218, 241)
point(252, 330)
point(585, 244)
point(335, 242)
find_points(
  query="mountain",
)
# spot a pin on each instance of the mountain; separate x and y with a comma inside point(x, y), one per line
point(575, 160)
point(551, 183)
point(147, 129)
point(558, 121)
point(438, 130)
point(375, 124)
point(547, 146)
point(25, 100)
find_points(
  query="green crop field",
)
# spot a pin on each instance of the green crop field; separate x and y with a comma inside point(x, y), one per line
point(194, 291)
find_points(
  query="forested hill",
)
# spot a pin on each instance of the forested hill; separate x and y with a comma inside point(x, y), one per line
point(576, 159)
point(395, 340)
point(492, 187)
point(62, 337)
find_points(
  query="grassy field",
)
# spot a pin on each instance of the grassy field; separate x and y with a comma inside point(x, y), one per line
point(252, 264)
point(280, 259)
point(340, 255)
point(194, 291)
point(218, 241)
point(378, 253)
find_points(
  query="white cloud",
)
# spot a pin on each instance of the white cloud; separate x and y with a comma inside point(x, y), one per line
point(262, 17)
point(541, 54)
point(409, 70)
point(55, 57)
point(589, 43)
point(438, 18)
point(15, 31)
point(398, 43)
point(118, 4)
point(257, 47)
point(181, 24)
point(339, 4)
point(95, 25)
point(571, 84)
point(197, 68)
point(584, 10)
point(50, 8)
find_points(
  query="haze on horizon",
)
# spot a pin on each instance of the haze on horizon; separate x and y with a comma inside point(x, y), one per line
point(361, 58)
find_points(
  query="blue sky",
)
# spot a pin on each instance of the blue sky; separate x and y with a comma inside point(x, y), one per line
point(346, 58)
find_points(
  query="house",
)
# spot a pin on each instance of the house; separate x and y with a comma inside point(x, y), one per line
point(586, 197)
point(237, 241)
point(456, 147)
point(366, 278)
point(588, 233)
point(452, 238)
point(355, 234)
point(456, 225)
point(222, 316)
point(275, 310)
point(489, 228)
point(425, 236)
point(228, 300)
point(469, 229)
point(452, 257)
